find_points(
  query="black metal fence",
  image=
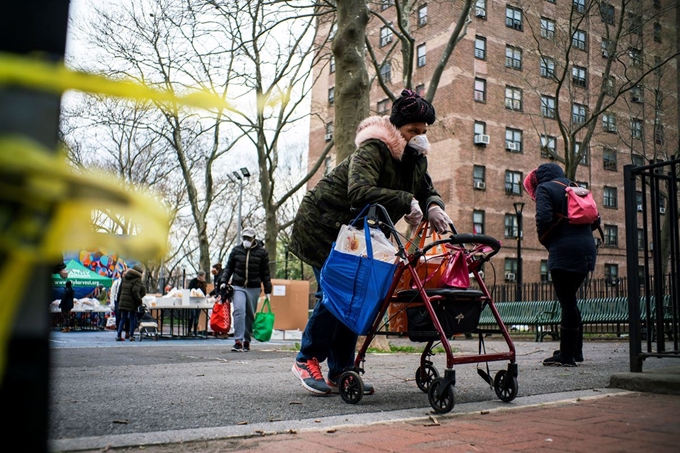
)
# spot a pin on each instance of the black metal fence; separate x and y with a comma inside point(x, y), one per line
point(652, 248)
point(591, 289)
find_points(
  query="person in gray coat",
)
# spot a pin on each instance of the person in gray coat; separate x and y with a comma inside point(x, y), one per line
point(132, 292)
point(571, 255)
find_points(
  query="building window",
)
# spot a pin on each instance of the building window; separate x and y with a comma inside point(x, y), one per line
point(611, 273)
point(547, 67)
point(636, 128)
point(578, 39)
point(659, 134)
point(607, 48)
point(608, 13)
point(480, 90)
point(331, 95)
point(386, 72)
point(657, 32)
point(635, 24)
point(479, 128)
point(609, 122)
point(578, 113)
point(513, 140)
point(657, 65)
point(547, 28)
point(513, 18)
point(640, 239)
point(513, 182)
point(332, 64)
point(329, 132)
point(611, 235)
point(635, 57)
point(662, 204)
point(579, 6)
point(422, 15)
point(513, 57)
point(477, 222)
point(510, 268)
point(609, 159)
point(548, 146)
point(384, 4)
point(585, 160)
point(422, 55)
point(548, 106)
point(333, 31)
point(609, 86)
point(420, 90)
point(384, 107)
point(478, 174)
point(658, 101)
point(385, 36)
point(480, 48)
point(578, 76)
point(637, 94)
point(610, 197)
point(545, 273)
point(511, 227)
point(513, 98)
point(637, 160)
point(480, 9)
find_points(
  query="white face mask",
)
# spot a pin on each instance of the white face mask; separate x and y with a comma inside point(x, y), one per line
point(247, 244)
point(419, 143)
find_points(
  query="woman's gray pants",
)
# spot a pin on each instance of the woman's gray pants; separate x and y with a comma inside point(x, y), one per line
point(245, 305)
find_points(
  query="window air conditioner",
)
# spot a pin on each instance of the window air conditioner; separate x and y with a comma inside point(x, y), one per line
point(512, 146)
point(481, 139)
point(480, 12)
point(328, 137)
point(662, 210)
point(509, 277)
point(639, 208)
point(481, 185)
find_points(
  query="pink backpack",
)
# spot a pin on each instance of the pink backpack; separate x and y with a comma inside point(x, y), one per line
point(581, 207)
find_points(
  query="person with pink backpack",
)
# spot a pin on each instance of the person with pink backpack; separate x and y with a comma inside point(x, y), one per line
point(571, 254)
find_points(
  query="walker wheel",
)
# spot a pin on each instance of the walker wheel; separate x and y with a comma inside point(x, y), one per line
point(141, 335)
point(505, 386)
point(351, 387)
point(431, 374)
point(446, 401)
point(155, 337)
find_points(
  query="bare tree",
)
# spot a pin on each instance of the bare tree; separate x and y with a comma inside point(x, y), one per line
point(575, 98)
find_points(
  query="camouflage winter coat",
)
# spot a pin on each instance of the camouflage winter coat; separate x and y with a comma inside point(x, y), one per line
point(381, 171)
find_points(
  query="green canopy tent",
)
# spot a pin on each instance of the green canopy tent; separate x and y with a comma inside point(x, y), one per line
point(82, 279)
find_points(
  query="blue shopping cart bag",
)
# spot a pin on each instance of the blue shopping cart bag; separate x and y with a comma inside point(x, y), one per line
point(354, 286)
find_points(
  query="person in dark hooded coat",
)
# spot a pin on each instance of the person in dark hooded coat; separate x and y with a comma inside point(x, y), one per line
point(66, 306)
point(571, 255)
point(389, 167)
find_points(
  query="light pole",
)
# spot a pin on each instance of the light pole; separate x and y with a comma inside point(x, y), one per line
point(241, 183)
point(519, 205)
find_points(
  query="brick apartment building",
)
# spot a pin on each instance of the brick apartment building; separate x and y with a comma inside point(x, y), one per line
point(493, 111)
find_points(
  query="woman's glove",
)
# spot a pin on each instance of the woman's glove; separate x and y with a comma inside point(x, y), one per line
point(416, 215)
point(439, 220)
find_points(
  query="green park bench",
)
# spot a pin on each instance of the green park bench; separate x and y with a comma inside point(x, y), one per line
point(545, 316)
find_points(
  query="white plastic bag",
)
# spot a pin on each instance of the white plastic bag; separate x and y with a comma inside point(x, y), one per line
point(353, 241)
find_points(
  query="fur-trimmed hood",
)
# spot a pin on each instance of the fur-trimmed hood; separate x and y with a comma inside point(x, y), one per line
point(380, 128)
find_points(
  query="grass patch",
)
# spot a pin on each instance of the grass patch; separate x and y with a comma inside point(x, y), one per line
point(408, 349)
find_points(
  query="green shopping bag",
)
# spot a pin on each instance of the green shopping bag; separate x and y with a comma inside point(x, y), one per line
point(264, 322)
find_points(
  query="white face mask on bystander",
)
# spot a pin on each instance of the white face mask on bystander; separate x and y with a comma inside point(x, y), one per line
point(247, 244)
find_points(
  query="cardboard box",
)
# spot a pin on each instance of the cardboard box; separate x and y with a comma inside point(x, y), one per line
point(290, 303)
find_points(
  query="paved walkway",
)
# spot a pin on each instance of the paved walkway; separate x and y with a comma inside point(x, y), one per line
point(613, 422)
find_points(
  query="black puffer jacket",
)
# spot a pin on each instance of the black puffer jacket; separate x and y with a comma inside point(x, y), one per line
point(571, 247)
point(131, 290)
point(248, 268)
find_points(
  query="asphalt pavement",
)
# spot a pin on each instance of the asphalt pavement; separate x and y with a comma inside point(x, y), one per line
point(196, 395)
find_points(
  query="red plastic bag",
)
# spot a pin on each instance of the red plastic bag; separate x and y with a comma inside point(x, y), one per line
point(456, 274)
point(220, 319)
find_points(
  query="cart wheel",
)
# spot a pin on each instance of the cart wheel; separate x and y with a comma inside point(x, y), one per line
point(155, 337)
point(351, 387)
point(141, 336)
point(445, 403)
point(431, 374)
point(505, 386)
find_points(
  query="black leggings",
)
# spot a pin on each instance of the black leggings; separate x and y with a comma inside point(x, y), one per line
point(566, 285)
